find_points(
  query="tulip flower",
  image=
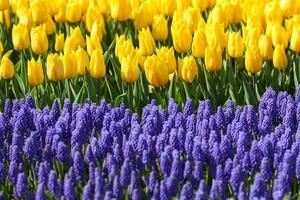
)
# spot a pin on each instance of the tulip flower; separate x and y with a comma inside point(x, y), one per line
point(120, 9)
point(160, 28)
point(93, 44)
point(55, 68)
point(61, 6)
point(235, 45)
point(265, 47)
point(25, 17)
point(82, 61)
point(156, 71)
point(98, 28)
point(59, 42)
point(182, 36)
point(129, 69)
point(280, 60)
point(199, 44)
point(279, 35)
point(39, 40)
point(146, 42)
point(168, 7)
point(7, 67)
point(192, 17)
point(167, 56)
point(49, 26)
point(288, 7)
point(295, 39)
point(124, 47)
point(144, 16)
point(215, 35)
point(70, 64)
point(273, 12)
point(39, 11)
point(200, 4)
point(73, 11)
point(189, 69)
point(93, 14)
point(253, 60)
point(97, 66)
point(4, 5)
point(35, 72)
point(213, 58)
point(20, 37)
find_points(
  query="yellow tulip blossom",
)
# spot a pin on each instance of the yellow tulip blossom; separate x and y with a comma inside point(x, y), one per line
point(35, 72)
point(129, 69)
point(20, 37)
point(39, 40)
point(55, 67)
point(97, 66)
point(7, 67)
point(280, 60)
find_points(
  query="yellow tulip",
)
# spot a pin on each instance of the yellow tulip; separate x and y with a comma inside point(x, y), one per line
point(182, 36)
point(120, 9)
point(35, 72)
point(129, 69)
point(93, 44)
point(288, 7)
point(39, 40)
point(237, 11)
point(213, 58)
point(279, 35)
point(55, 68)
point(156, 71)
point(295, 39)
point(146, 42)
point(70, 64)
point(92, 15)
point(199, 44)
point(219, 15)
point(60, 16)
point(20, 37)
point(7, 67)
point(59, 42)
point(167, 56)
point(97, 66)
point(189, 69)
point(251, 35)
point(39, 11)
point(192, 17)
point(84, 4)
point(82, 61)
point(74, 41)
point(73, 11)
point(280, 60)
point(265, 47)
point(215, 35)
point(4, 4)
point(168, 7)
point(201, 4)
point(273, 12)
point(253, 60)
point(235, 45)
point(98, 28)
point(25, 17)
point(49, 26)
point(143, 18)
point(160, 28)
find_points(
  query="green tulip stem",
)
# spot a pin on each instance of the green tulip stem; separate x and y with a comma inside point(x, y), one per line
point(6, 88)
point(37, 96)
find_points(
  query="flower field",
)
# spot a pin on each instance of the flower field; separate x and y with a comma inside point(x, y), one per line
point(149, 99)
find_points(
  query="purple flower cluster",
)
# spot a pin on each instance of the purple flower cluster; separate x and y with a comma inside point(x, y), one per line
point(101, 152)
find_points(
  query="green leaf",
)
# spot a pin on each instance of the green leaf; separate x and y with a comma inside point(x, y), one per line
point(79, 95)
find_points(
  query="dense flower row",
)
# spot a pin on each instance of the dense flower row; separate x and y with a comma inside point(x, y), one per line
point(97, 151)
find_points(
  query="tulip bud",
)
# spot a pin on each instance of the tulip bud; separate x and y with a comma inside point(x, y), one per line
point(146, 42)
point(265, 47)
point(82, 61)
point(98, 28)
point(120, 9)
point(156, 71)
point(93, 44)
point(70, 65)
point(49, 26)
point(129, 69)
point(273, 12)
point(55, 68)
point(59, 42)
point(253, 60)
point(7, 67)
point(280, 60)
point(39, 11)
point(189, 69)
point(182, 36)
point(25, 17)
point(167, 56)
point(295, 39)
point(35, 72)
point(73, 11)
point(235, 45)
point(97, 66)
point(92, 15)
point(213, 58)
point(199, 44)
point(39, 40)
point(143, 18)
point(160, 28)
point(4, 4)
point(168, 7)
point(20, 37)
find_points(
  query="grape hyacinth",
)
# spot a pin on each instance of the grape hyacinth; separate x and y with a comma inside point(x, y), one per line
point(101, 152)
